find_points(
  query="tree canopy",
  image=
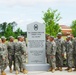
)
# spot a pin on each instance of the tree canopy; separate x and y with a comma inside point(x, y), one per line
point(51, 18)
point(73, 26)
point(7, 29)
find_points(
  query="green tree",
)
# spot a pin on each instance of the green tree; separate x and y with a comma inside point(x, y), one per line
point(73, 26)
point(9, 31)
point(18, 32)
point(13, 25)
point(51, 18)
point(3, 27)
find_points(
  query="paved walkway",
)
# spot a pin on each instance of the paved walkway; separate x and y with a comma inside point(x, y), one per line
point(42, 73)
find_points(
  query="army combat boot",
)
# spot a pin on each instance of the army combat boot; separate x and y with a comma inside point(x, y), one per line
point(53, 70)
point(50, 69)
point(74, 69)
point(70, 70)
point(10, 70)
point(57, 68)
point(17, 72)
point(67, 68)
point(21, 70)
point(60, 68)
point(3, 73)
point(25, 71)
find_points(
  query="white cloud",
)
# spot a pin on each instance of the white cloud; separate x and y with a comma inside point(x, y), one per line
point(24, 16)
point(22, 2)
point(32, 2)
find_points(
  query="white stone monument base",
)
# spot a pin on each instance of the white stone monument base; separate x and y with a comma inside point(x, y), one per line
point(37, 67)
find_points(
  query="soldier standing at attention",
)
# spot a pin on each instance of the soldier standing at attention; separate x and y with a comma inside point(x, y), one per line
point(47, 47)
point(11, 52)
point(69, 53)
point(24, 43)
point(3, 55)
point(23, 56)
point(19, 50)
point(74, 53)
point(52, 54)
point(60, 51)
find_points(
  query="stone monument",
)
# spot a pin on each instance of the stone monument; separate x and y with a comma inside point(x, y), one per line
point(36, 47)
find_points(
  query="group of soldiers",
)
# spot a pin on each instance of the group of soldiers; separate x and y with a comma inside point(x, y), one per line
point(13, 53)
point(58, 49)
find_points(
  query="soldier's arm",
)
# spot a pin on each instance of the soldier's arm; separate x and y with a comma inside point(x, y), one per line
point(5, 52)
point(53, 49)
point(23, 48)
point(73, 46)
point(70, 48)
point(63, 47)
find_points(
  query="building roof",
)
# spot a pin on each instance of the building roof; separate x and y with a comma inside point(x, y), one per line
point(65, 27)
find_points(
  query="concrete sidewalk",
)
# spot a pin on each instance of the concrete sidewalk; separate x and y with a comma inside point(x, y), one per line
point(43, 73)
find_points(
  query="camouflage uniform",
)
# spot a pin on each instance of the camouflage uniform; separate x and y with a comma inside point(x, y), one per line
point(3, 55)
point(48, 50)
point(69, 53)
point(23, 56)
point(74, 52)
point(6, 54)
point(19, 50)
point(52, 54)
point(11, 53)
point(60, 50)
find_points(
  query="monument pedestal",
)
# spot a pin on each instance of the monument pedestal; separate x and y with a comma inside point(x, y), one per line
point(36, 47)
point(37, 67)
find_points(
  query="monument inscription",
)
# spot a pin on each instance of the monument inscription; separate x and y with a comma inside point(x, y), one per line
point(36, 43)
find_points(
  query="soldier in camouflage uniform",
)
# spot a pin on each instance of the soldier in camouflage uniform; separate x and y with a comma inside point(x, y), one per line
point(47, 47)
point(52, 53)
point(3, 55)
point(19, 50)
point(23, 56)
point(74, 53)
point(11, 52)
point(60, 51)
point(69, 53)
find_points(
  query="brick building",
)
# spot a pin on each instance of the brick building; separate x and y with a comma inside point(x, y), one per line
point(65, 29)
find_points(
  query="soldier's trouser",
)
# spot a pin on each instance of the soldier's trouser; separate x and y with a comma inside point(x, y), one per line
point(23, 57)
point(48, 59)
point(74, 59)
point(11, 60)
point(59, 60)
point(70, 60)
point(18, 62)
point(3, 64)
point(53, 62)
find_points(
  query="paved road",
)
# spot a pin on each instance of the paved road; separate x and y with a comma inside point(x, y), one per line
point(42, 73)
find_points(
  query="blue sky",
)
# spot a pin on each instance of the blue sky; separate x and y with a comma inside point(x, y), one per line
point(26, 11)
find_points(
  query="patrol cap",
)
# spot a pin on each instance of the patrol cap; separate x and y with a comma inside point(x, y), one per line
point(47, 35)
point(3, 37)
point(19, 37)
point(52, 37)
point(11, 37)
point(23, 37)
point(59, 34)
point(68, 37)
